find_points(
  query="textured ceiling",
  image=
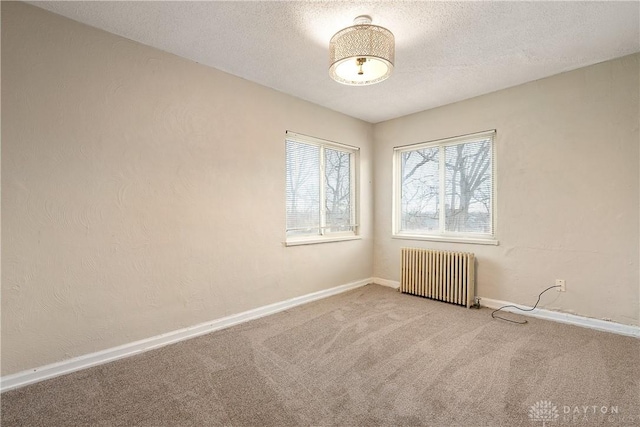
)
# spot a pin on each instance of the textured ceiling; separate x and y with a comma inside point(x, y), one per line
point(445, 51)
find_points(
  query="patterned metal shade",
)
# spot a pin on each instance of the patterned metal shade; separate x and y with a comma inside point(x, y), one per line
point(362, 54)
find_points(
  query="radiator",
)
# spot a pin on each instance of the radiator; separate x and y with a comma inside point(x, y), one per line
point(440, 275)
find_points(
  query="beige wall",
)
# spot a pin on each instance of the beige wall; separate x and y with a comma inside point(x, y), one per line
point(142, 192)
point(567, 186)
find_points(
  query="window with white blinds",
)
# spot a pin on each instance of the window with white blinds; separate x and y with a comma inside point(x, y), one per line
point(320, 189)
point(444, 190)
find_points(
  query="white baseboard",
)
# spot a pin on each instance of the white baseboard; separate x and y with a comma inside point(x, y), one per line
point(20, 379)
point(572, 319)
point(386, 282)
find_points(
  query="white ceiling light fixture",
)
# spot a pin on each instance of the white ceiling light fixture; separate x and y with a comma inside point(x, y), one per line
point(362, 54)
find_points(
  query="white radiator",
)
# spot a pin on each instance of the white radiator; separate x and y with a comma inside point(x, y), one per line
point(440, 275)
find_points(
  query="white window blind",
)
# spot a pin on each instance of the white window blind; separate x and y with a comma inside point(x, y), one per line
point(446, 188)
point(303, 188)
point(320, 188)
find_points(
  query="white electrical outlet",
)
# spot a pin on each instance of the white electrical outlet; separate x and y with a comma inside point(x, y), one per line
point(562, 284)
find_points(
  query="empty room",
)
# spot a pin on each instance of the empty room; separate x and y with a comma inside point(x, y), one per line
point(299, 213)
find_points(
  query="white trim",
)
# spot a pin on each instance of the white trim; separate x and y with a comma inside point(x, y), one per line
point(453, 140)
point(386, 282)
point(442, 189)
point(470, 240)
point(355, 193)
point(320, 239)
point(308, 139)
point(30, 376)
point(322, 201)
point(572, 319)
point(396, 193)
point(494, 186)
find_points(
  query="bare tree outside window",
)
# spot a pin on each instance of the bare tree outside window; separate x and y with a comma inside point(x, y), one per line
point(420, 189)
point(338, 190)
point(468, 187)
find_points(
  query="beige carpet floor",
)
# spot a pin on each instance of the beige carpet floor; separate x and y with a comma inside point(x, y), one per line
point(368, 357)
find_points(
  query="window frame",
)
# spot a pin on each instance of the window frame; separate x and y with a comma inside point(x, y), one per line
point(442, 235)
point(324, 235)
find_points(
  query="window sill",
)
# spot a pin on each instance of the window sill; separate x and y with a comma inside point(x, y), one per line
point(469, 240)
point(318, 240)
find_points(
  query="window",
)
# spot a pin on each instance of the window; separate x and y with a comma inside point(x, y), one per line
point(321, 190)
point(444, 190)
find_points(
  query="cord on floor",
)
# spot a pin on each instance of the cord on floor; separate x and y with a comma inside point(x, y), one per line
point(521, 309)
